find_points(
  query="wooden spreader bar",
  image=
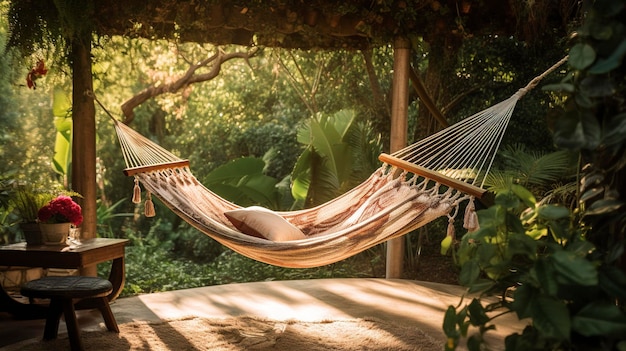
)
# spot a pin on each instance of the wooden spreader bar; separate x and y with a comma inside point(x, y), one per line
point(436, 176)
point(142, 169)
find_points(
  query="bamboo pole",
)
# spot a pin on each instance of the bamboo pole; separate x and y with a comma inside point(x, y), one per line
point(399, 131)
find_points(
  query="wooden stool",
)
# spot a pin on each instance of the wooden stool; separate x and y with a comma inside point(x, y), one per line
point(63, 292)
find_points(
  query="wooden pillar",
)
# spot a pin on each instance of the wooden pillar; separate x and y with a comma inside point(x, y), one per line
point(84, 138)
point(399, 130)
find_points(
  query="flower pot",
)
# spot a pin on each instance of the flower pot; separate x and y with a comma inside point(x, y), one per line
point(54, 234)
point(32, 233)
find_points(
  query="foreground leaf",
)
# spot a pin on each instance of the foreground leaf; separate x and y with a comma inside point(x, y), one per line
point(600, 318)
point(551, 318)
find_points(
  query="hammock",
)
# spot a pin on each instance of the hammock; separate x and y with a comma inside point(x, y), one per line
point(413, 186)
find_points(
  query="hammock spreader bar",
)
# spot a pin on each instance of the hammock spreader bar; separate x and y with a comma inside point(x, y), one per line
point(166, 165)
point(436, 176)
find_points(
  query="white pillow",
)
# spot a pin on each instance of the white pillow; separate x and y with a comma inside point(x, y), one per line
point(263, 223)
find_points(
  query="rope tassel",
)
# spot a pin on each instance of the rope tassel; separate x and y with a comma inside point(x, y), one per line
point(451, 232)
point(149, 207)
point(136, 192)
point(470, 220)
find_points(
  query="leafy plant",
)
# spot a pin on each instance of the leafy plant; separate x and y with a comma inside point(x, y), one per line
point(541, 264)
point(563, 270)
point(27, 199)
point(336, 158)
point(324, 165)
point(549, 175)
point(243, 182)
point(104, 216)
point(532, 168)
point(62, 111)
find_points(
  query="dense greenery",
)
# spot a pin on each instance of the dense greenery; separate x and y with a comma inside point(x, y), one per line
point(561, 265)
point(153, 265)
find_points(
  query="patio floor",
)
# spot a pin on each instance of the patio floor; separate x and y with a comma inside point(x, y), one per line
point(406, 302)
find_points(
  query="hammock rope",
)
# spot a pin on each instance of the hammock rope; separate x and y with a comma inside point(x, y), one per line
point(413, 186)
point(466, 150)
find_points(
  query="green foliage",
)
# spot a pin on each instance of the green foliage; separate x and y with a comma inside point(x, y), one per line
point(27, 130)
point(153, 265)
point(7, 216)
point(324, 166)
point(35, 23)
point(549, 175)
point(338, 155)
point(489, 70)
point(62, 112)
point(105, 214)
point(562, 269)
point(243, 182)
point(27, 199)
point(545, 269)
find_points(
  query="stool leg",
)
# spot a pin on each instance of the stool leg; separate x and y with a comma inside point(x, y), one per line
point(72, 325)
point(107, 314)
point(52, 320)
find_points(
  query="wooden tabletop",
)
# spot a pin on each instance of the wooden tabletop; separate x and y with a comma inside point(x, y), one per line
point(85, 253)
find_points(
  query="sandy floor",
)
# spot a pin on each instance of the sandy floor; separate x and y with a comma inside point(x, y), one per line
point(405, 301)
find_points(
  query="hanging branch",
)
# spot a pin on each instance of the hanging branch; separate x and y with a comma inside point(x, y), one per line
point(377, 91)
point(188, 78)
point(418, 85)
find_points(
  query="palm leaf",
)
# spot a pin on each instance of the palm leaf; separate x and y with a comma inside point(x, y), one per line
point(539, 172)
point(365, 149)
point(301, 175)
point(326, 164)
point(62, 111)
point(242, 181)
point(538, 169)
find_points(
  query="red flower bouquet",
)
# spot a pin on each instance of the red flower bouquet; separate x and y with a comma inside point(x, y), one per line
point(62, 209)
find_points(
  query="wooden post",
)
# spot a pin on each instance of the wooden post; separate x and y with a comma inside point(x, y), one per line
point(399, 130)
point(84, 139)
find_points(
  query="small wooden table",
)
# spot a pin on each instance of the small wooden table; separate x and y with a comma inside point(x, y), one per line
point(88, 253)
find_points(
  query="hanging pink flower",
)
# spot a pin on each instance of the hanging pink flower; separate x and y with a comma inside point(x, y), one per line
point(62, 209)
point(37, 72)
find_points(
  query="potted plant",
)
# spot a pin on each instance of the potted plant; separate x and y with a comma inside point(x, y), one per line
point(26, 200)
point(56, 217)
